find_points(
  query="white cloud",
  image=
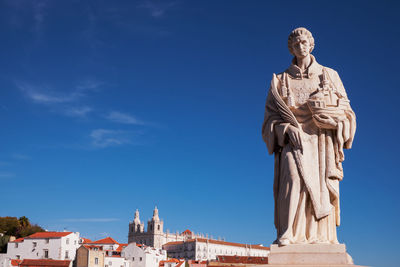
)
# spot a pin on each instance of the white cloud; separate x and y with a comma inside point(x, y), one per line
point(7, 175)
point(43, 95)
point(66, 103)
point(157, 9)
point(20, 156)
point(124, 118)
point(78, 111)
point(19, 10)
point(91, 220)
point(102, 138)
point(38, 95)
point(89, 84)
point(38, 15)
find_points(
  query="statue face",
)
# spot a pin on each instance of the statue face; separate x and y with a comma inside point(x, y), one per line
point(301, 46)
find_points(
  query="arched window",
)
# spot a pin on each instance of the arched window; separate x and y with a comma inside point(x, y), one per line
point(158, 227)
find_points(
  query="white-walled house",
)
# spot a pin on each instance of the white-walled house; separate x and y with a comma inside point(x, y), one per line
point(45, 245)
point(143, 256)
point(209, 249)
point(105, 252)
point(107, 244)
point(115, 261)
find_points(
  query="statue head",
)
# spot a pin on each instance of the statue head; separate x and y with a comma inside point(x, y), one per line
point(300, 42)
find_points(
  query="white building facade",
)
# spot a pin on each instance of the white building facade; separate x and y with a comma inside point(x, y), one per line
point(143, 256)
point(187, 245)
point(208, 249)
point(115, 261)
point(45, 245)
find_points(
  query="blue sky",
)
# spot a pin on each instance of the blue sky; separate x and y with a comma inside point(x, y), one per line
point(109, 106)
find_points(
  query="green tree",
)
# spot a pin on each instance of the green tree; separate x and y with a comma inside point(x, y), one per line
point(30, 230)
point(24, 222)
point(12, 226)
point(3, 243)
point(9, 225)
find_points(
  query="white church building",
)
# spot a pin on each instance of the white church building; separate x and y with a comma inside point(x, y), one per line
point(154, 236)
point(187, 244)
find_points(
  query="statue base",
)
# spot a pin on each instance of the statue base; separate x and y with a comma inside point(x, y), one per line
point(309, 255)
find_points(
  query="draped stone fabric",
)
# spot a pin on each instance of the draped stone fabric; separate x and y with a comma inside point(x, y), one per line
point(306, 181)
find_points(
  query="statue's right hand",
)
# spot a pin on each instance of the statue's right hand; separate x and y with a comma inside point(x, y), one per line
point(294, 135)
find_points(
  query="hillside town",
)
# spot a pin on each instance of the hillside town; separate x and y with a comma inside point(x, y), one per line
point(150, 247)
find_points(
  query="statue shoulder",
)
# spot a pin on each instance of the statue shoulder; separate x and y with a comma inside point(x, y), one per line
point(332, 73)
point(279, 75)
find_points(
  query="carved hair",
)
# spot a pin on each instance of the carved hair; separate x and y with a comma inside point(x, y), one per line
point(298, 32)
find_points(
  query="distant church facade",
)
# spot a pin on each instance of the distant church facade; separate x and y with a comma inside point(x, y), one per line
point(187, 244)
point(154, 236)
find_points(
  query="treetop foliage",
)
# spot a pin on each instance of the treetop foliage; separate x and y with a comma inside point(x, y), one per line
point(18, 227)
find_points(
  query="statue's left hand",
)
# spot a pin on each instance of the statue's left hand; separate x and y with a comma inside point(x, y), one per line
point(324, 121)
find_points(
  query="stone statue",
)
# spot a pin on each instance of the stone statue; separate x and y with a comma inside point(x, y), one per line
point(308, 122)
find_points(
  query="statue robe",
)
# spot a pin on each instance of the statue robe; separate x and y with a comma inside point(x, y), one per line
point(306, 182)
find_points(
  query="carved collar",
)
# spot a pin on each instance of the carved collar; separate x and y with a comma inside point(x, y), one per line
point(296, 73)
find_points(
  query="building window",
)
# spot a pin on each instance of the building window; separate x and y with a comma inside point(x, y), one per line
point(140, 259)
point(158, 227)
point(96, 261)
point(67, 241)
point(133, 258)
point(47, 240)
point(34, 244)
point(66, 254)
point(46, 253)
point(16, 245)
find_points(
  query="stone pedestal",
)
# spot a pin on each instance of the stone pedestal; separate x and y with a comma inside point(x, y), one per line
point(309, 255)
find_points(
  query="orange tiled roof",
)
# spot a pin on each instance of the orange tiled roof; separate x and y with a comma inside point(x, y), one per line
point(187, 232)
point(40, 263)
point(172, 260)
point(86, 240)
point(48, 235)
point(204, 240)
point(107, 240)
point(17, 240)
point(175, 243)
point(242, 259)
point(15, 262)
point(121, 246)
